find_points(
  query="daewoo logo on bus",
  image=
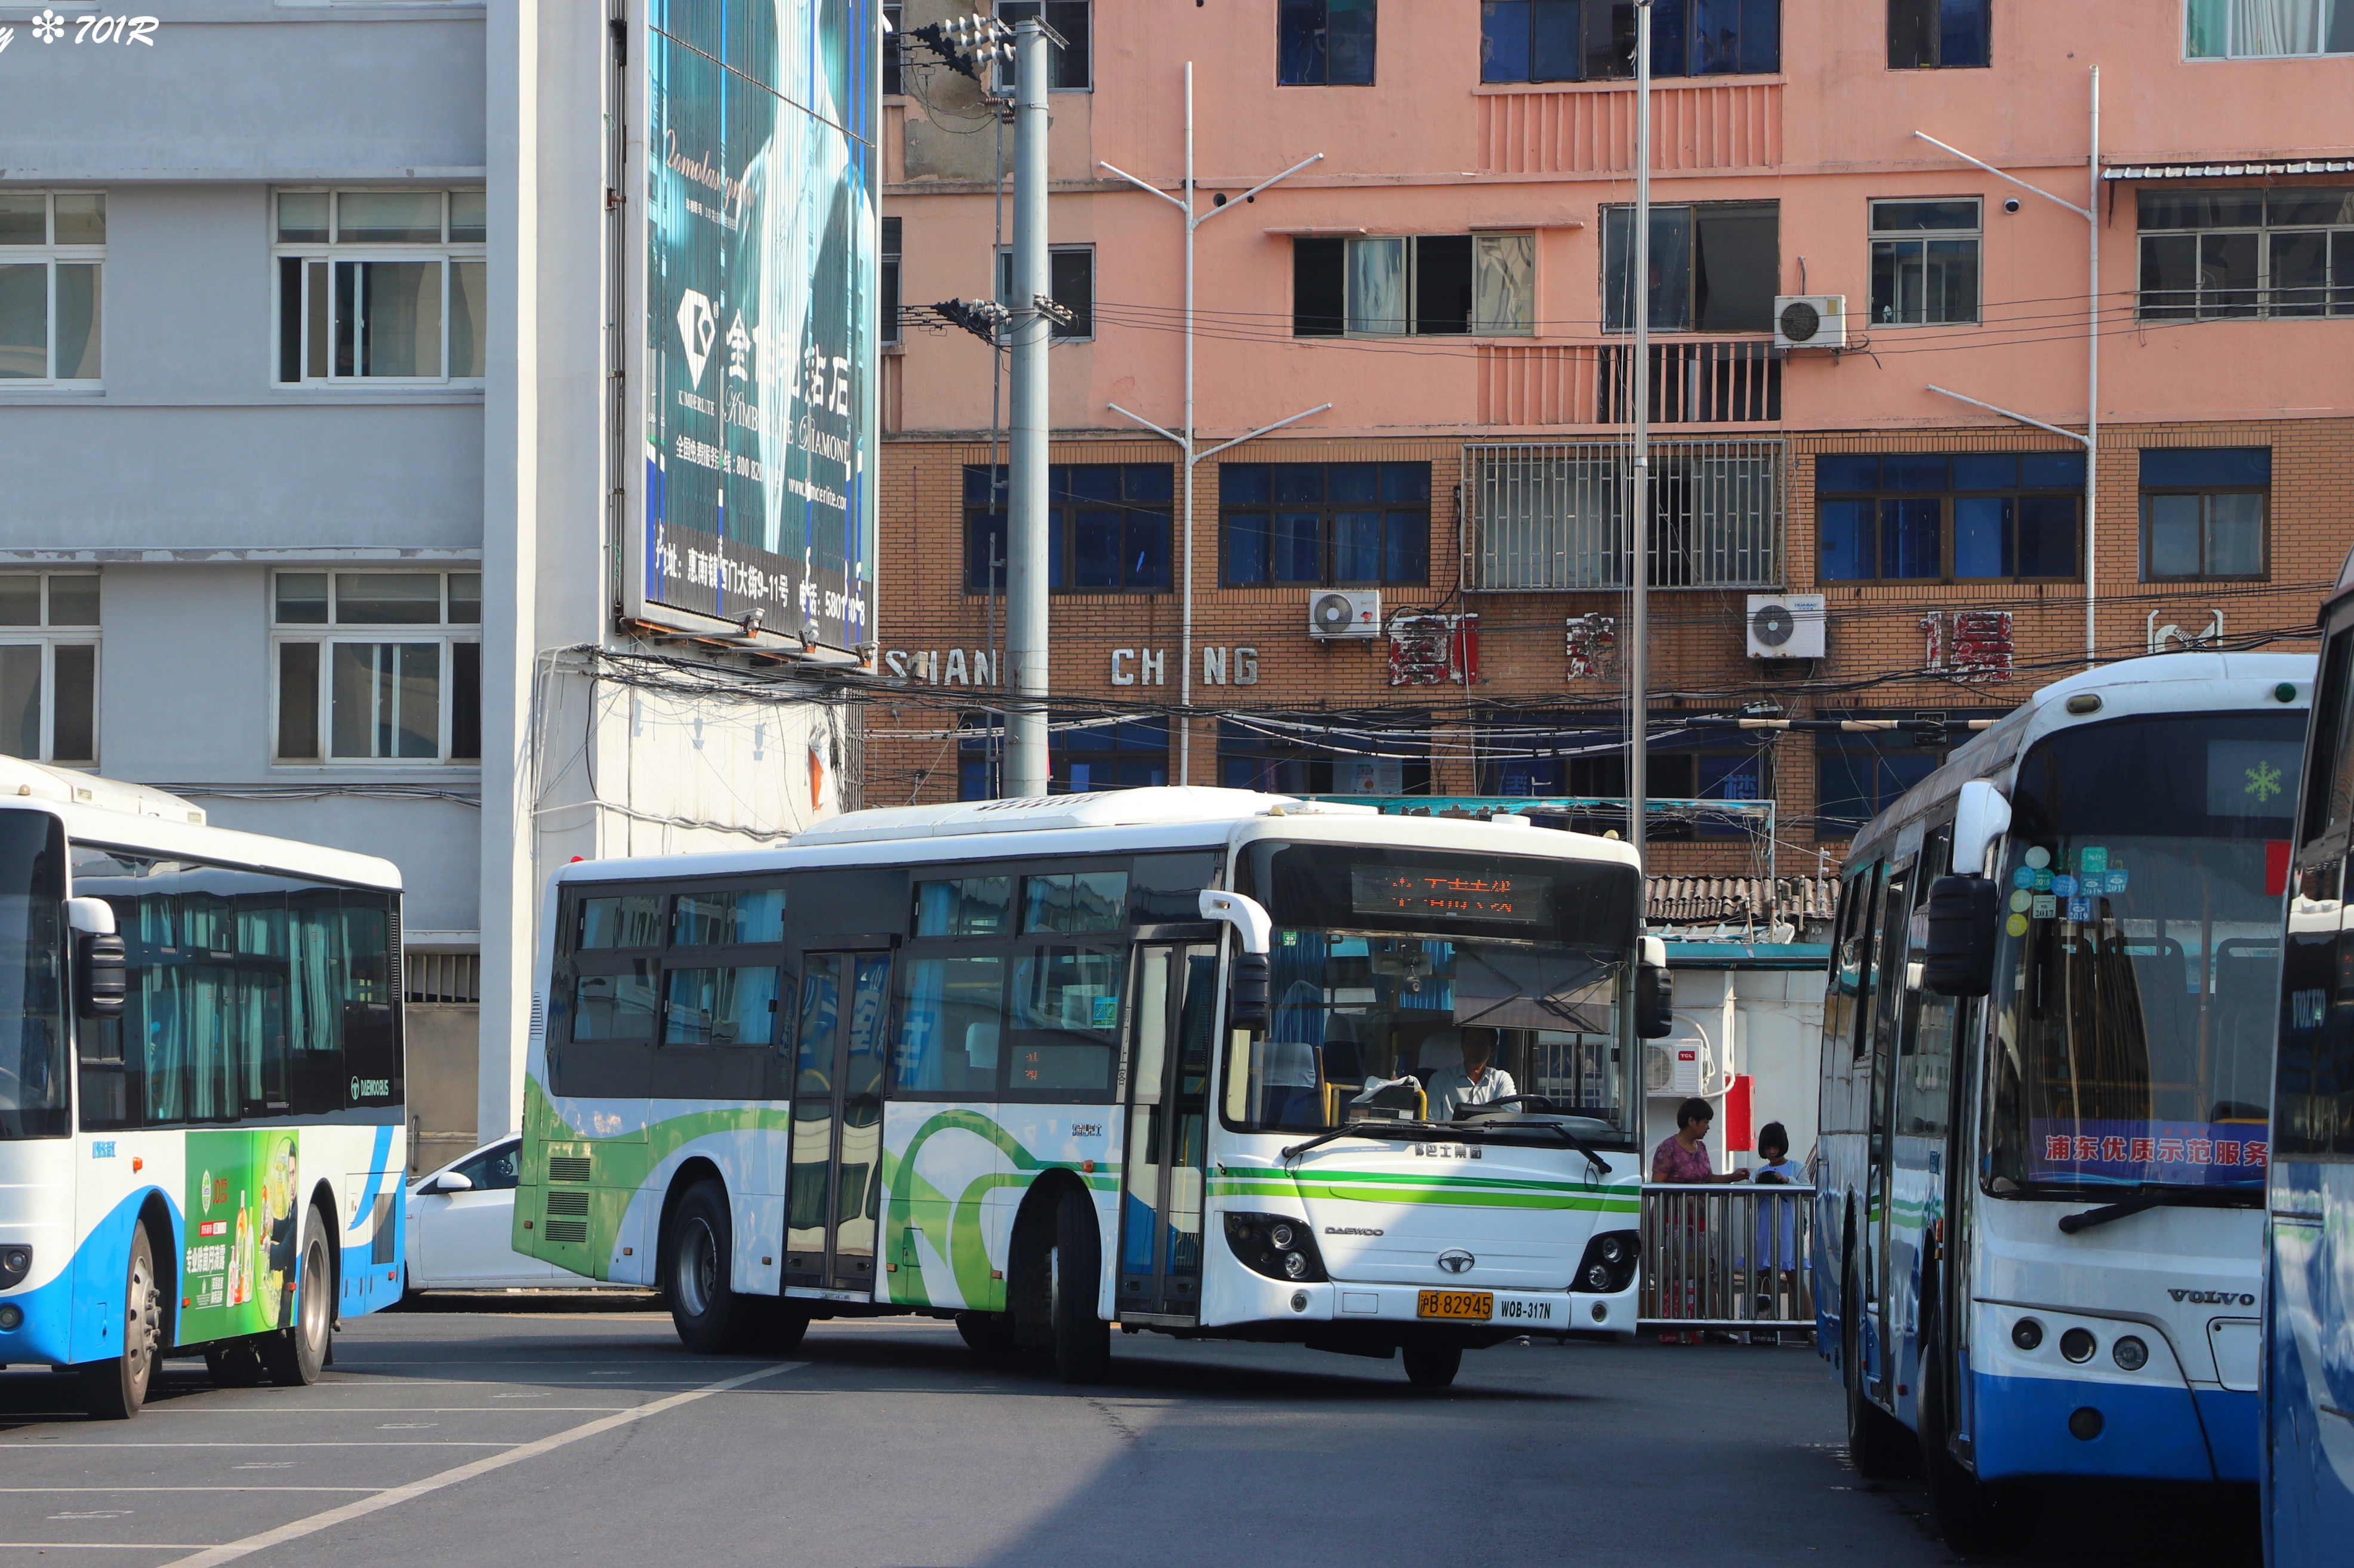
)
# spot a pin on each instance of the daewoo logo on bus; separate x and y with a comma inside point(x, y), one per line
point(1352, 1230)
point(2214, 1298)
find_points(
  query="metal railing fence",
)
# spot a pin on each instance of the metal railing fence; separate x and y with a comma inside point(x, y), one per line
point(1733, 1257)
point(1552, 515)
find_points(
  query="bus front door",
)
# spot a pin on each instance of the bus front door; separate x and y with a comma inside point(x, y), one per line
point(1171, 1035)
point(835, 1183)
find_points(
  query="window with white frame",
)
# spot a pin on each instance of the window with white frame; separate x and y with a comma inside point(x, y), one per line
point(49, 667)
point(2266, 30)
point(1924, 262)
point(383, 285)
point(52, 250)
point(1419, 285)
point(378, 667)
point(2288, 251)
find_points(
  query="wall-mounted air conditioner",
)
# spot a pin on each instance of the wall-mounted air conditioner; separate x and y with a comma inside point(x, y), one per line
point(1675, 1067)
point(1786, 625)
point(1344, 612)
point(1810, 321)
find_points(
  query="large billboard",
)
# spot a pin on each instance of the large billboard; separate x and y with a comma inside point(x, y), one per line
point(760, 289)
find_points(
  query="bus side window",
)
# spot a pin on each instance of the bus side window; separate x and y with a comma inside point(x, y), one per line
point(2322, 832)
point(1924, 1085)
point(1861, 969)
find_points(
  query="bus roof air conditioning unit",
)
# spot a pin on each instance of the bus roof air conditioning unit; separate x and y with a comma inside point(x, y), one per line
point(1810, 321)
point(1787, 625)
point(1344, 612)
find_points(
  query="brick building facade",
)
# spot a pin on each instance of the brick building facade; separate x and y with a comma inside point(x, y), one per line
point(1470, 471)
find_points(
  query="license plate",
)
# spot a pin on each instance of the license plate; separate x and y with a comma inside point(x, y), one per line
point(1476, 1305)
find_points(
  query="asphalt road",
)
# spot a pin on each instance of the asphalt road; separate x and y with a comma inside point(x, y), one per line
point(522, 1435)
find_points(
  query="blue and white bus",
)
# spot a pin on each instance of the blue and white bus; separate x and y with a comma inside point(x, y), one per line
point(201, 1138)
point(2309, 1370)
point(2046, 1084)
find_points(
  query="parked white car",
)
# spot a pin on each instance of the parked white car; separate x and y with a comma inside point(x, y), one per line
point(461, 1228)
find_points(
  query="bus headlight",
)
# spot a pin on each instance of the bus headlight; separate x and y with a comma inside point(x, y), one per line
point(1597, 1277)
point(2078, 1344)
point(11, 1315)
point(1608, 1265)
point(1274, 1245)
point(2026, 1333)
point(16, 1262)
point(2130, 1353)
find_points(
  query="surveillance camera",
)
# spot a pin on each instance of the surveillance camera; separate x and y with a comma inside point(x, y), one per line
point(2010, 206)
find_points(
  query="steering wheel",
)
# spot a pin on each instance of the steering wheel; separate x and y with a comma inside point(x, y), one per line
point(1536, 1103)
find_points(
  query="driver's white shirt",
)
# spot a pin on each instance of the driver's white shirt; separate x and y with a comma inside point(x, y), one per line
point(1453, 1086)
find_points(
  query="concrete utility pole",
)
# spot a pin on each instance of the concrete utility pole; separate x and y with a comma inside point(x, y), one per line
point(1026, 767)
point(1639, 530)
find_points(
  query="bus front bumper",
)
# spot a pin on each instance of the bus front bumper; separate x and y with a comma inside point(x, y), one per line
point(2038, 1426)
point(1374, 1311)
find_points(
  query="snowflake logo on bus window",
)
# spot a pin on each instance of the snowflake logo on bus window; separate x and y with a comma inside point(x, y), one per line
point(2264, 781)
point(49, 27)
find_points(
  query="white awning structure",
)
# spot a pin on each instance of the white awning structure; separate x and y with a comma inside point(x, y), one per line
point(2229, 171)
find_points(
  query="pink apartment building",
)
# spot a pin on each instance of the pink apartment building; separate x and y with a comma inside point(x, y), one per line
point(1446, 284)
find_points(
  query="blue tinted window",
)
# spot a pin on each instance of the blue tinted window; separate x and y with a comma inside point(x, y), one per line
point(1982, 536)
point(1504, 41)
point(1985, 471)
point(1908, 539)
point(2052, 470)
point(1351, 481)
point(1846, 544)
point(1243, 483)
point(2047, 537)
point(1847, 473)
point(1299, 482)
point(1246, 547)
point(2202, 467)
point(1923, 473)
point(1326, 523)
point(1107, 528)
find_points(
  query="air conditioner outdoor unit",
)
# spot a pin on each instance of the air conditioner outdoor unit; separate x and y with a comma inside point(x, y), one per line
point(1786, 625)
point(1675, 1067)
point(1344, 612)
point(1810, 321)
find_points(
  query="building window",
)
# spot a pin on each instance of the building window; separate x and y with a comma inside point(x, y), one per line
point(2266, 30)
point(1939, 35)
point(892, 87)
point(2203, 512)
point(2283, 252)
point(1067, 65)
point(379, 666)
point(1859, 775)
point(381, 286)
point(890, 290)
point(1324, 43)
point(1071, 275)
point(1714, 268)
point(52, 250)
point(1554, 514)
point(1325, 754)
point(1924, 262)
point(1957, 517)
point(48, 666)
point(1593, 40)
point(1325, 524)
point(1431, 284)
point(1106, 528)
point(1082, 755)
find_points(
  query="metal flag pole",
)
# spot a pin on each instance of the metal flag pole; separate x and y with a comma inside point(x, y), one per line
point(1026, 759)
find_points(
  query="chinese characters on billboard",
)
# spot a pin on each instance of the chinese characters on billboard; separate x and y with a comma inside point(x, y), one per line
point(760, 327)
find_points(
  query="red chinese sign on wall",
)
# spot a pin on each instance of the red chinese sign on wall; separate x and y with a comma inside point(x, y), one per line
point(1973, 645)
point(1592, 645)
point(1434, 650)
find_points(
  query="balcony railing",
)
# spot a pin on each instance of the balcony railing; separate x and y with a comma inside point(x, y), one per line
point(1694, 382)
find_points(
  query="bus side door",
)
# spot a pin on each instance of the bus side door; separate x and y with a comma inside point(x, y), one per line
point(1918, 1153)
point(1172, 1028)
point(1890, 953)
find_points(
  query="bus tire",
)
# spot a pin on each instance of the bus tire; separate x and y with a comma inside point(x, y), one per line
point(295, 1354)
point(787, 1323)
point(1876, 1442)
point(235, 1363)
point(116, 1388)
point(986, 1333)
point(1430, 1364)
point(710, 1318)
point(1974, 1516)
point(1082, 1339)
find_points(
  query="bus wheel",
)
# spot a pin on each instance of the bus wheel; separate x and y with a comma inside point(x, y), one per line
point(710, 1318)
point(1972, 1515)
point(989, 1333)
point(1875, 1442)
point(114, 1389)
point(1432, 1365)
point(1082, 1339)
point(234, 1363)
point(295, 1353)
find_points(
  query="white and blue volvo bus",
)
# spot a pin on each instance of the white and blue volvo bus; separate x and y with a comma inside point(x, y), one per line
point(2309, 1370)
point(201, 1137)
point(2046, 1080)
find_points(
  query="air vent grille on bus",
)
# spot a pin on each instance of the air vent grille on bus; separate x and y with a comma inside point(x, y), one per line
point(567, 1204)
point(567, 1230)
point(538, 1018)
point(567, 1168)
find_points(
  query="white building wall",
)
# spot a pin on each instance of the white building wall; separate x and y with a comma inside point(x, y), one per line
point(1763, 1024)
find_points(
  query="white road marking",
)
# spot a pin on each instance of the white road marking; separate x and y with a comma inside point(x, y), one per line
point(231, 1551)
point(230, 1486)
point(93, 1546)
point(289, 1443)
point(386, 1409)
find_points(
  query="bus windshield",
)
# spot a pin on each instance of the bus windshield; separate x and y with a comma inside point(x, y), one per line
point(1377, 978)
point(2140, 955)
point(32, 991)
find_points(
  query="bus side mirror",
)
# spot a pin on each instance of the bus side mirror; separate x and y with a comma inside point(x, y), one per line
point(102, 975)
point(1655, 1002)
point(1246, 1006)
point(1964, 912)
point(1247, 995)
point(1981, 816)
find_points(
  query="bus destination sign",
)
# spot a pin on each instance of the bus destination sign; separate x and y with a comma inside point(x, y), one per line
point(1405, 893)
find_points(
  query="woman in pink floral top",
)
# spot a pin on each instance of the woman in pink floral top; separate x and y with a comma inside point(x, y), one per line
point(1683, 1158)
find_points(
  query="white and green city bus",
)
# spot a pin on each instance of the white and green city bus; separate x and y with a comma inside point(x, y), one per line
point(201, 1139)
point(1178, 1059)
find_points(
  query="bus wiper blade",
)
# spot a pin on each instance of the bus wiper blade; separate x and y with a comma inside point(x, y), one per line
point(2071, 1223)
point(1601, 1166)
point(1367, 1128)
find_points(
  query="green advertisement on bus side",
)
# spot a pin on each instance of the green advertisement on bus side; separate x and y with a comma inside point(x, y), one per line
point(238, 1275)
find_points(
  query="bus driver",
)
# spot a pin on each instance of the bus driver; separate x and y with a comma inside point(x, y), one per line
point(1476, 1083)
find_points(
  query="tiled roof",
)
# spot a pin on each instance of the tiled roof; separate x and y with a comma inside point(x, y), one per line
point(2227, 171)
point(1716, 900)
